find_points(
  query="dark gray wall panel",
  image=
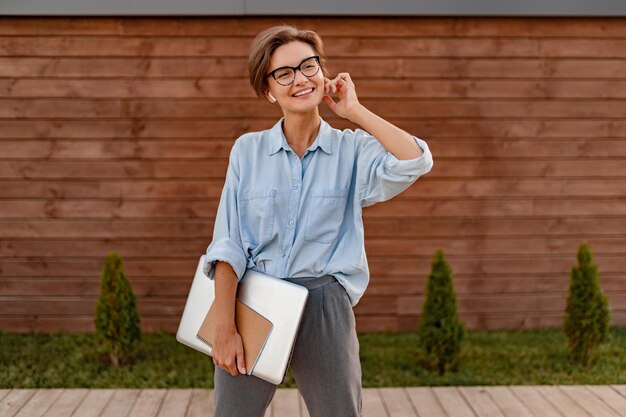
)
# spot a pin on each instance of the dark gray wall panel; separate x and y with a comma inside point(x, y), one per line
point(598, 8)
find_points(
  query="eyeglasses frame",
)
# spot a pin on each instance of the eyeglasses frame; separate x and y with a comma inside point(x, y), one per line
point(273, 73)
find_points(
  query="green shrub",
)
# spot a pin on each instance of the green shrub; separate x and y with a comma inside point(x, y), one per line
point(587, 315)
point(440, 330)
point(117, 319)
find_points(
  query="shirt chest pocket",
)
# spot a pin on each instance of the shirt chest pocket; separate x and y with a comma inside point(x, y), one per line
point(257, 212)
point(325, 214)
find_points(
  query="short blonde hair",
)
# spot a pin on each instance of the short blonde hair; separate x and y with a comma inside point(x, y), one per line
point(267, 41)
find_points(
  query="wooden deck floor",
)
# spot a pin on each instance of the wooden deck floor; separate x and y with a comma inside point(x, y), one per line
point(508, 401)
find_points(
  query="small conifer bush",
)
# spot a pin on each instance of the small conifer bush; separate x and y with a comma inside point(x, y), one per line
point(440, 329)
point(117, 319)
point(587, 315)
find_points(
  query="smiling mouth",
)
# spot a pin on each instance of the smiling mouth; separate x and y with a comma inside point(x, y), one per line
point(304, 95)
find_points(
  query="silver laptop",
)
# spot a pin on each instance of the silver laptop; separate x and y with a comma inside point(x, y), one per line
point(281, 302)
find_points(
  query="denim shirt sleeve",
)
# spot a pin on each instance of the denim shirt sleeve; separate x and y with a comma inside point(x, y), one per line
point(380, 175)
point(226, 245)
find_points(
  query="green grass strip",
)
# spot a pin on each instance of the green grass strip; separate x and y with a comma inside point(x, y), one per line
point(70, 360)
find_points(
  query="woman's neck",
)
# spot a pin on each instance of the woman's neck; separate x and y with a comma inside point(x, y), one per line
point(301, 129)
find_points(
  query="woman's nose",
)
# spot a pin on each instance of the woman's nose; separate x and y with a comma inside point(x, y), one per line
point(300, 77)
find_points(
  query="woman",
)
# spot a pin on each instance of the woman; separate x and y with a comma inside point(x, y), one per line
point(291, 208)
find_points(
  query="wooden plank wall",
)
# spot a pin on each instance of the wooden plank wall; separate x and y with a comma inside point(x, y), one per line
point(115, 133)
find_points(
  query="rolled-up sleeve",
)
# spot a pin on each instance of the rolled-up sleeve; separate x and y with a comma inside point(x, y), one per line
point(380, 175)
point(226, 244)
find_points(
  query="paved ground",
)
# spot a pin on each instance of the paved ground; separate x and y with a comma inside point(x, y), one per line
point(504, 401)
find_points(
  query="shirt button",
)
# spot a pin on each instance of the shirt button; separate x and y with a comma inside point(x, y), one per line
point(295, 187)
point(284, 255)
point(290, 222)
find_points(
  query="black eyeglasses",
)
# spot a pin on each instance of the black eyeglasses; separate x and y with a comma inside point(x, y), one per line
point(286, 75)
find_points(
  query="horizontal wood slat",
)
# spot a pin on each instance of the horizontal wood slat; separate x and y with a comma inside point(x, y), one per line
point(200, 149)
point(393, 285)
point(572, 27)
point(230, 89)
point(376, 305)
point(115, 134)
point(231, 128)
point(170, 247)
point(341, 46)
point(615, 168)
point(400, 67)
point(399, 108)
point(379, 265)
point(418, 228)
point(407, 208)
point(426, 188)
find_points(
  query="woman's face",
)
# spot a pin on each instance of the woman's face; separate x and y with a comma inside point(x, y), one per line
point(292, 54)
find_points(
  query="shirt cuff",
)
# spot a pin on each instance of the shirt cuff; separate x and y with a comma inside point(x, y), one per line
point(418, 166)
point(228, 251)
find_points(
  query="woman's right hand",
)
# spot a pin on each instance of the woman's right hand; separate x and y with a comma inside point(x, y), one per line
point(228, 352)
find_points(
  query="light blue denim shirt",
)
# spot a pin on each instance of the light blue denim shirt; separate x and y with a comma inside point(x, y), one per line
point(289, 217)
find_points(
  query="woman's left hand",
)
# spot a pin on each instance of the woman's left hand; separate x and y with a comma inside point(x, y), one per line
point(343, 87)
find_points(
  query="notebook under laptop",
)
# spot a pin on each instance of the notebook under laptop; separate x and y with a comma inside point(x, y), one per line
point(272, 309)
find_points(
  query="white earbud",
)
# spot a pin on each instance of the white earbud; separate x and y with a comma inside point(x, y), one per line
point(273, 98)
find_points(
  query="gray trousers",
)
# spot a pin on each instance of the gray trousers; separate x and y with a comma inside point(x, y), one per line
point(325, 361)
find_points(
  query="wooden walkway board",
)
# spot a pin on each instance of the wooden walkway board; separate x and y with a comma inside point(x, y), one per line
point(497, 401)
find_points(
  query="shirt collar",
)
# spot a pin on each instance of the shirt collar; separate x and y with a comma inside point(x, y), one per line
point(277, 140)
